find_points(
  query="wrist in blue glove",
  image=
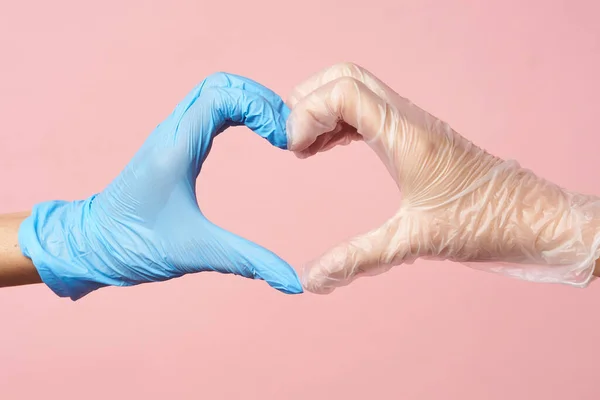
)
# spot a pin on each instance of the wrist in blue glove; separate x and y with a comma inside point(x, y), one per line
point(146, 226)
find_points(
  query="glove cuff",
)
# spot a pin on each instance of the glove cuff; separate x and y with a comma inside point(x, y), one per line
point(47, 237)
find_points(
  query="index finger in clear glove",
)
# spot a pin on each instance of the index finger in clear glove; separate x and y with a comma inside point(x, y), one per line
point(337, 71)
point(344, 99)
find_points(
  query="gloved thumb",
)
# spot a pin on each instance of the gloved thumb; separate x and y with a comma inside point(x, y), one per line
point(236, 255)
point(369, 254)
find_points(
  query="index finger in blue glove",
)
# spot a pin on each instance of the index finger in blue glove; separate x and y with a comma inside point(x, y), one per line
point(226, 80)
point(217, 107)
point(230, 81)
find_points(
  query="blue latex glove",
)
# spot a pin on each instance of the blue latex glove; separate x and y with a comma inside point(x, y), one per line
point(146, 226)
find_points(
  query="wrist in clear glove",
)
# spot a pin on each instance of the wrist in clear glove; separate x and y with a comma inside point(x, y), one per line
point(512, 222)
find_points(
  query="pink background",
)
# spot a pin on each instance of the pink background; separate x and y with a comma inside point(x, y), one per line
point(83, 83)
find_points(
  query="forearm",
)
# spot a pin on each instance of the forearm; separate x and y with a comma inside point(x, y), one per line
point(15, 269)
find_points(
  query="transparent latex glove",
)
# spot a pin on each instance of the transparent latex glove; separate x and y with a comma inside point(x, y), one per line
point(458, 202)
point(146, 226)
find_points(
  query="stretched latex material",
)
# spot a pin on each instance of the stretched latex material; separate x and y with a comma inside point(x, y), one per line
point(146, 225)
point(459, 202)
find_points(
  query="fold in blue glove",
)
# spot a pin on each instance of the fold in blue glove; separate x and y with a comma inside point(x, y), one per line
point(146, 226)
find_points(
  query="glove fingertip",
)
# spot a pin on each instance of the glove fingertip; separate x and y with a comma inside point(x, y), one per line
point(281, 276)
point(317, 281)
point(288, 287)
point(261, 263)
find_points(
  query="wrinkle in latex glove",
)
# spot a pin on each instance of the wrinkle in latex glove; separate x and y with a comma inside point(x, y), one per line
point(146, 226)
point(459, 202)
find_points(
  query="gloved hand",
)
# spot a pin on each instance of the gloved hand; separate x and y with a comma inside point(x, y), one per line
point(146, 226)
point(458, 202)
